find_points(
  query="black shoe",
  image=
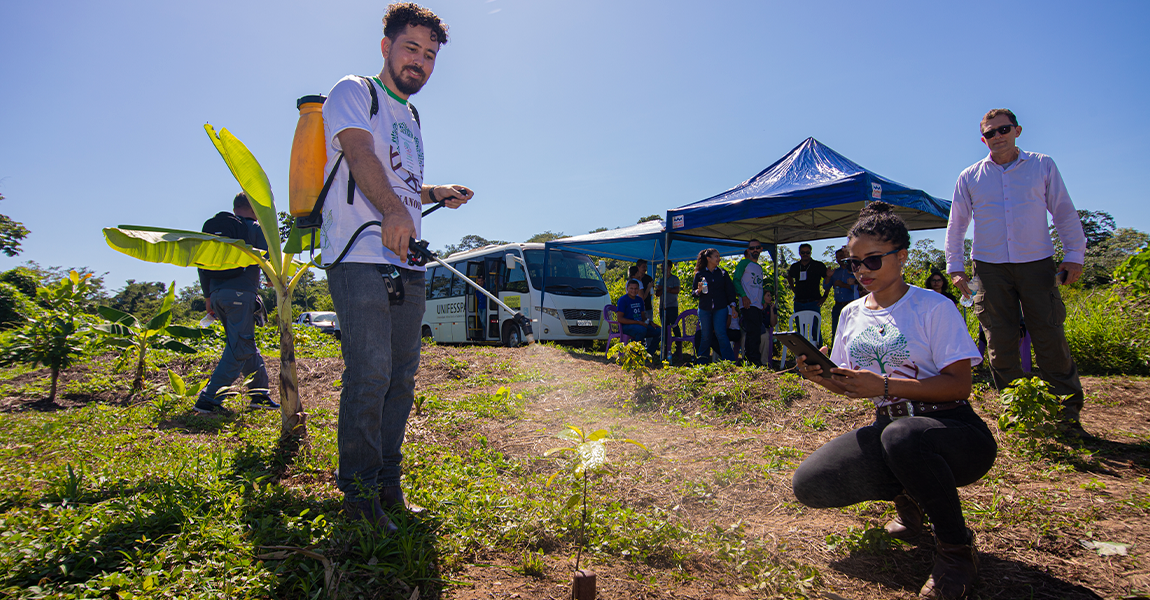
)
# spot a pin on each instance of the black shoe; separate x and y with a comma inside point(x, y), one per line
point(369, 511)
point(391, 497)
point(263, 401)
point(211, 409)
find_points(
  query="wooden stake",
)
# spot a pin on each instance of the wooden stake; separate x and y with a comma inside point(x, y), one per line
point(584, 586)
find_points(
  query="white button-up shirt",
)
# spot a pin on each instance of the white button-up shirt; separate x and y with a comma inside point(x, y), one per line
point(1009, 206)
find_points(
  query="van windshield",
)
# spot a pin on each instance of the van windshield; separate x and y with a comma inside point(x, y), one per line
point(568, 273)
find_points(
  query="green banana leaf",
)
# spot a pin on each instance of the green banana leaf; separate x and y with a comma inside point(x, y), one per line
point(300, 240)
point(176, 383)
point(191, 333)
point(251, 176)
point(181, 248)
point(158, 322)
point(117, 316)
point(177, 346)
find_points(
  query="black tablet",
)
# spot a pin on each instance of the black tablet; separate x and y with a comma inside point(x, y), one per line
point(801, 346)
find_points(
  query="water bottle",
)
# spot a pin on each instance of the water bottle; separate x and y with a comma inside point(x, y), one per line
point(704, 286)
point(974, 285)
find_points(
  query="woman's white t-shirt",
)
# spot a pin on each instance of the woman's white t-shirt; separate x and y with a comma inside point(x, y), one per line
point(915, 338)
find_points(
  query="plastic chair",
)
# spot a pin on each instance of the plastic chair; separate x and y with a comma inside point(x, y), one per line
point(614, 329)
point(809, 324)
point(1023, 350)
point(688, 324)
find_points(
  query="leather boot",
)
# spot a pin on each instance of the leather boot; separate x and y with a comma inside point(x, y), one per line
point(955, 570)
point(368, 510)
point(907, 525)
point(391, 497)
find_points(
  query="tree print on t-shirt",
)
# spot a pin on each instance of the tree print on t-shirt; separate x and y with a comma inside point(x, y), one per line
point(885, 346)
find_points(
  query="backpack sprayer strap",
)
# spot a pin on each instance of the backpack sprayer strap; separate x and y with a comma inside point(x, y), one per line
point(314, 220)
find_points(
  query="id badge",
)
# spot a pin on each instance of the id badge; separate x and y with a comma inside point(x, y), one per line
point(802, 275)
point(408, 155)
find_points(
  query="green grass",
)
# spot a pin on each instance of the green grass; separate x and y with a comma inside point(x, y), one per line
point(124, 501)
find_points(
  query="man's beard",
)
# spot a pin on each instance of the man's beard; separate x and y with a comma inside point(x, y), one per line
point(403, 86)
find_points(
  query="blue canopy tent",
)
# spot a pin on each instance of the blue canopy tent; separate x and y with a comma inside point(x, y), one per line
point(811, 193)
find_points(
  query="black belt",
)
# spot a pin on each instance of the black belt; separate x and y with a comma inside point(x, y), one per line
point(909, 408)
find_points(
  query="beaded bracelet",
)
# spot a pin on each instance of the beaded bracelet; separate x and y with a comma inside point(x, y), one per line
point(886, 388)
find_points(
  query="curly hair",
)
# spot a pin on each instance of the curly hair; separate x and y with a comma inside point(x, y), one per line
point(402, 14)
point(879, 220)
point(994, 112)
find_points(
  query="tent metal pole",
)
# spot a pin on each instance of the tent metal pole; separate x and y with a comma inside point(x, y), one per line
point(665, 335)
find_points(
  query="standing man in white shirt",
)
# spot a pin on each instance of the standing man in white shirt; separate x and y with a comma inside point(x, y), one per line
point(1008, 194)
point(379, 297)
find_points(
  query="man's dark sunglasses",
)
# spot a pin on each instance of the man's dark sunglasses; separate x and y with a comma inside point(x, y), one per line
point(1005, 129)
point(872, 263)
point(759, 248)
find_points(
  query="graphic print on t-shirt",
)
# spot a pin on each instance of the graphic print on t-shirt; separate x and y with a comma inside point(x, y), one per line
point(885, 347)
point(405, 145)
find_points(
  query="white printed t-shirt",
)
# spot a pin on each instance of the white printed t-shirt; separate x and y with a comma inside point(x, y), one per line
point(397, 137)
point(915, 338)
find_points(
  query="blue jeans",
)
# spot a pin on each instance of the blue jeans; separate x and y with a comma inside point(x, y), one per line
point(648, 333)
point(380, 344)
point(713, 324)
point(236, 311)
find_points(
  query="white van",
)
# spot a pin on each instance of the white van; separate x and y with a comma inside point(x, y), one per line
point(572, 309)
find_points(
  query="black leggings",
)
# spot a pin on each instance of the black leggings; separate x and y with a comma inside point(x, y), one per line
point(928, 456)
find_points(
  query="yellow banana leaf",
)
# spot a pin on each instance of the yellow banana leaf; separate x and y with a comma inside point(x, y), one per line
point(251, 176)
point(181, 248)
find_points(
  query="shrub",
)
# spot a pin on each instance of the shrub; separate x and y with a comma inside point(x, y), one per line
point(15, 307)
point(1106, 337)
point(23, 279)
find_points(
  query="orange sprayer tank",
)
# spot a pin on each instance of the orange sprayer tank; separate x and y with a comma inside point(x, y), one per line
point(308, 157)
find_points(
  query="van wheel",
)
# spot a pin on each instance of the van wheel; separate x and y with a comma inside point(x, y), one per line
point(512, 337)
point(338, 335)
point(426, 333)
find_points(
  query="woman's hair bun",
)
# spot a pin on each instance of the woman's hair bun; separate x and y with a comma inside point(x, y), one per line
point(876, 208)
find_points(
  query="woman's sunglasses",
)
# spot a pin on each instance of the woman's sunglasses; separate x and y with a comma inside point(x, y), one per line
point(872, 263)
point(990, 133)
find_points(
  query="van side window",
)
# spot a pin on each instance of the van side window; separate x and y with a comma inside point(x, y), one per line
point(440, 283)
point(458, 288)
point(515, 280)
point(427, 281)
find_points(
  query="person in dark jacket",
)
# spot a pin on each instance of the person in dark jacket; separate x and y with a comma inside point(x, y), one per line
point(715, 291)
point(232, 299)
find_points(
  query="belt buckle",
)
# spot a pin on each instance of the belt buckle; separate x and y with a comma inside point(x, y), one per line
point(909, 410)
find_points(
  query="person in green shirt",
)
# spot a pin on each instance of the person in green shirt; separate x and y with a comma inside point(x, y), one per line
point(749, 288)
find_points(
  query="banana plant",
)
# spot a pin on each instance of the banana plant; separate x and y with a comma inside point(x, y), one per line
point(124, 330)
point(207, 251)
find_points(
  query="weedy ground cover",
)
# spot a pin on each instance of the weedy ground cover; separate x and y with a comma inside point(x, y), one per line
point(107, 498)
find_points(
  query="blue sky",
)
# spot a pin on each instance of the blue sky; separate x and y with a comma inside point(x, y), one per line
point(563, 116)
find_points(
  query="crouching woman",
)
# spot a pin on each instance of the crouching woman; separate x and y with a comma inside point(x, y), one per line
point(909, 351)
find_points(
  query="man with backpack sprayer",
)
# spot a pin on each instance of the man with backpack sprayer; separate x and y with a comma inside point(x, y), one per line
point(378, 295)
